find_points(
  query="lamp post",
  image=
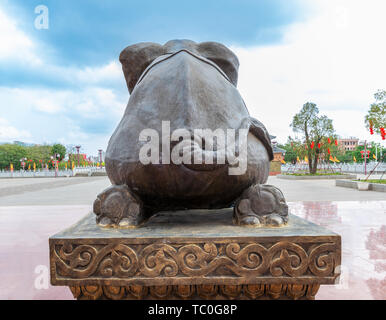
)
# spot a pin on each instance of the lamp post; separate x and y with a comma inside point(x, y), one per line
point(100, 158)
point(77, 150)
point(366, 155)
point(22, 162)
point(55, 156)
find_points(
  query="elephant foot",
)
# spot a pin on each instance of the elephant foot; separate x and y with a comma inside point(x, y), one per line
point(261, 205)
point(118, 207)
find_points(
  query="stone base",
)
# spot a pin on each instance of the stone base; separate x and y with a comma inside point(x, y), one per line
point(196, 254)
point(198, 292)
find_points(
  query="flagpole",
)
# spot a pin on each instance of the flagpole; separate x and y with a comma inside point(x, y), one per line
point(365, 154)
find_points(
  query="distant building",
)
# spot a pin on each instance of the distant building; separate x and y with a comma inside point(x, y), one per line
point(362, 143)
point(348, 144)
point(278, 156)
point(24, 144)
point(278, 153)
point(97, 158)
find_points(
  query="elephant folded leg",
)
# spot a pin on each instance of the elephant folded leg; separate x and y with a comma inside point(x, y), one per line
point(261, 205)
point(118, 206)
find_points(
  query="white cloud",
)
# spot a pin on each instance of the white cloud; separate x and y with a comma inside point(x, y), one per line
point(90, 101)
point(94, 102)
point(46, 105)
point(9, 133)
point(109, 72)
point(70, 116)
point(335, 59)
point(15, 45)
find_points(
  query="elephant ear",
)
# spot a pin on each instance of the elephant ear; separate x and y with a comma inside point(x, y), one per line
point(260, 132)
point(221, 56)
point(136, 58)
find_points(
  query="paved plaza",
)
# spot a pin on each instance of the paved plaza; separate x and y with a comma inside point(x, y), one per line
point(83, 190)
point(32, 209)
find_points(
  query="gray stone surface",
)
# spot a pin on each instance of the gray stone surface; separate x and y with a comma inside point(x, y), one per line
point(191, 224)
point(51, 191)
point(321, 190)
point(82, 191)
point(378, 187)
point(23, 185)
point(346, 183)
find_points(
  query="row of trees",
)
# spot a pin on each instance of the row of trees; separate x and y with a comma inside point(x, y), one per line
point(38, 154)
point(293, 150)
point(318, 138)
point(375, 119)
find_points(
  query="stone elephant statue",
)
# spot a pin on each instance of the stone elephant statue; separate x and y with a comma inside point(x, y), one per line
point(183, 94)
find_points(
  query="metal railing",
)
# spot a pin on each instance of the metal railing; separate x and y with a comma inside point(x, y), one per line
point(339, 167)
point(89, 171)
point(41, 173)
point(35, 174)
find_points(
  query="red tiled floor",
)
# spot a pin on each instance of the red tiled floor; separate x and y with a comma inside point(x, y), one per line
point(362, 226)
point(24, 233)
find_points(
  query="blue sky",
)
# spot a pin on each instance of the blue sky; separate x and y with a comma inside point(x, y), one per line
point(64, 84)
point(94, 31)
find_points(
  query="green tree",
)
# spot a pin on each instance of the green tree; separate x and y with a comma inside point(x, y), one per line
point(290, 154)
point(11, 153)
point(39, 152)
point(376, 116)
point(345, 156)
point(293, 149)
point(59, 149)
point(315, 130)
point(358, 155)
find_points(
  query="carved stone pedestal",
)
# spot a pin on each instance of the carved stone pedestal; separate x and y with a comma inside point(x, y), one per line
point(195, 255)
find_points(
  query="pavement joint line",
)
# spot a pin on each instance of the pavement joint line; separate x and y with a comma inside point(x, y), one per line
point(32, 187)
